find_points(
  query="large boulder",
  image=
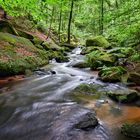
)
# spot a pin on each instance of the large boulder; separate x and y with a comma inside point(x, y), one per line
point(98, 41)
point(49, 44)
point(98, 59)
point(131, 130)
point(87, 121)
point(78, 64)
point(17, 54)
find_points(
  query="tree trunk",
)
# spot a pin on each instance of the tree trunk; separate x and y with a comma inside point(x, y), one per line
point(101, 18)
point(60, 21)
point(70, 19)
point(51, 20)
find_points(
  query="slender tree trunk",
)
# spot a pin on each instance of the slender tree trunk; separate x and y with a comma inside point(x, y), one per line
point(70, 19)
point(117, 4)
point(51, 20)
point(60, 22)
point(101, 18)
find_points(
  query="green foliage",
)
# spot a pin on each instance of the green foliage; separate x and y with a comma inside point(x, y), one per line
point(114, 73)
point(131, 130)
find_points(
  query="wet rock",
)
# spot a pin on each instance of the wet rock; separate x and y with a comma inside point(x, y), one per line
point(39, 73)
point(131, 130)
point(53, 72)
point(87, 121)
point(123, 95)
point(78, 64)
point(87, 89)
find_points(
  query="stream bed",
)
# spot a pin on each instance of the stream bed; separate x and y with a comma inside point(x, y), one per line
point(38, 108)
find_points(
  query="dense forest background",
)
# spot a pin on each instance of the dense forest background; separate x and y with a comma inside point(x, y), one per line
point(118, 20)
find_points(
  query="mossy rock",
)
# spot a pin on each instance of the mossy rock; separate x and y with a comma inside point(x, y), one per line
point(85, 92)
point(7, 27)
point(50, 45)
point(98, 41)
point(18, 54)
point(88, 89)
point(87, 50)
point(58, 56)
point(123, 95)
point(131, 130)
point(67, 45)
point(99, 58)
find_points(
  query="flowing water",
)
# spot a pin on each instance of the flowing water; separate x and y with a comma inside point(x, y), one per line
point(38, 108)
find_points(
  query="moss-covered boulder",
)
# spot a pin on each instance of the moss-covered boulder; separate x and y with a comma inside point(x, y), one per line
point(113, 74)
point(7, 27)
point(98, 41)
point(87, 50)
point(17, 54)
point(49, 44)
point(58, 56)
point(68, 46)
point(121, 94)
point(98, 59)
point(131, 130)
point(86, 92)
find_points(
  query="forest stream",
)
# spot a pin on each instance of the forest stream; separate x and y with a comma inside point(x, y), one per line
point(39, 108)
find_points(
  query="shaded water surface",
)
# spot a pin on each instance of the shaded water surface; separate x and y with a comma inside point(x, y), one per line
point(37, 108)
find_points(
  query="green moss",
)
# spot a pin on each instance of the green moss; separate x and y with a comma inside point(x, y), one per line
point(98, 41)
point(90, 49)
point(85, 92)
point(99, 58)
point(18, 55)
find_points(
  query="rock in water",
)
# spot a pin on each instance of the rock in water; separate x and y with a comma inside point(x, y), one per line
point(87, 121)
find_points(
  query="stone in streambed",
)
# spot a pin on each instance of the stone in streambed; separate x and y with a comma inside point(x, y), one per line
point(87, 121)
point(123, 95)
